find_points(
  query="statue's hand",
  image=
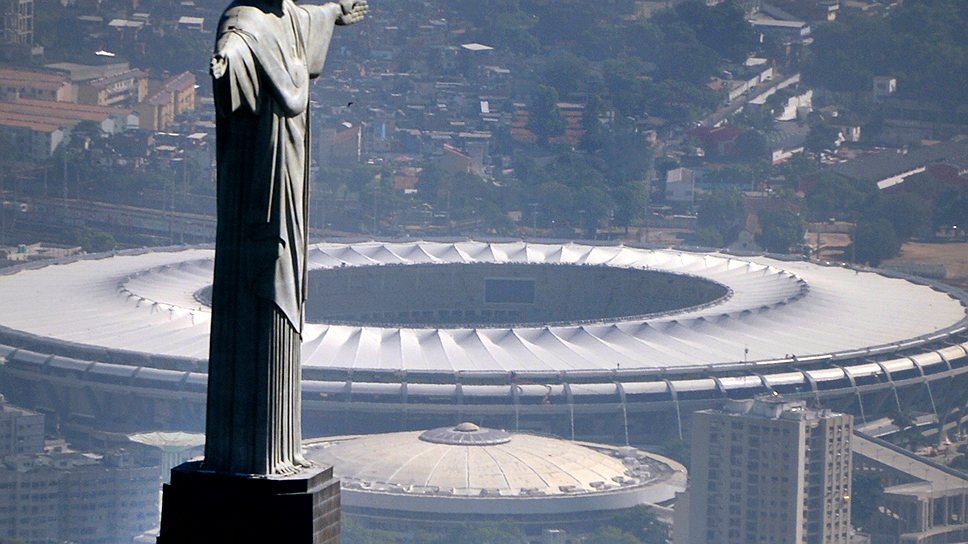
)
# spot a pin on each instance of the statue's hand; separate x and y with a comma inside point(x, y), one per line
point(217, 66)
point(353, 11)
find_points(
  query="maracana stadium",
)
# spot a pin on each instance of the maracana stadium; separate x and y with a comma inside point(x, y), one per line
point(611, 343)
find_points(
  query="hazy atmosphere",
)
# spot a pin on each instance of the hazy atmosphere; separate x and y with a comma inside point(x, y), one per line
point(614, 272)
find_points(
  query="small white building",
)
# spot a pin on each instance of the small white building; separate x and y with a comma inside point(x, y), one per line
point(680, 185)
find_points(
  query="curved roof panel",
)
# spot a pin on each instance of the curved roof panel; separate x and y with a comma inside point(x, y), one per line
point(148, 302)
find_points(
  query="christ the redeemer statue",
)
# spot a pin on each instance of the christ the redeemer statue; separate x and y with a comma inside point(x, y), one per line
point(254, 485)
point(266, 53)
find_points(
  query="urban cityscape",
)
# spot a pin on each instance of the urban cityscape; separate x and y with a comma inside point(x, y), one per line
point(614, 272)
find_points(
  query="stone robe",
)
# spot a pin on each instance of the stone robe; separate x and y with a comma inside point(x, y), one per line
point(272, 50)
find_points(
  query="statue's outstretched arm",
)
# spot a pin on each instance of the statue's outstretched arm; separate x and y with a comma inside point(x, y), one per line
point(353, 11)
point(318, 24)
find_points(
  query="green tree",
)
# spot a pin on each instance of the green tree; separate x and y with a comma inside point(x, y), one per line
point(352, 532)
point(833, 196)
point(93, 240)
point(556, 200)
point(486, 533)
point(595, 133)
point(626, 154)
point(751, 145)
point(821, 137)
point(951, 209)
point(568, 74)
point(553, 17)
point(689, 61)
point(780, 230)
point(643, 37)
point(722, 28)
point(591, 206)
point(630, 200)
point(875, 240)
point(918, 43)
point(612, 535)
point(722, 211)
point(624, 84)
point(544, 117)
point(709, 237)
point(909, 214)
point(844, 56)
point(679, 101)
point(642, 523)
point(501, 22)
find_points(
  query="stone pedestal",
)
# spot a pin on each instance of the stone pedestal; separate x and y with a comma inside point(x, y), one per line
point(199, 506)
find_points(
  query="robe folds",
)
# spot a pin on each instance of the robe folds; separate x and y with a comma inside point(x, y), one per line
point(272, 49)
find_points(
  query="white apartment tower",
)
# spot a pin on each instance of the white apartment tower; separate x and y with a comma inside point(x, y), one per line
point(21, 431)
point(769, 471)
point(18, 22)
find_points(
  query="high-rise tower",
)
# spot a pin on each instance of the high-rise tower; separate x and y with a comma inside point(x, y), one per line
point(769, 471)
point(18, 22)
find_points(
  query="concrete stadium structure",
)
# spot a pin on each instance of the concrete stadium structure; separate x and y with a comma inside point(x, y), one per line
point(449, 476)
point(600, 342)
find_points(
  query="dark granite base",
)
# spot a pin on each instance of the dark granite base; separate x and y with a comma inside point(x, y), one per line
point(208, 507)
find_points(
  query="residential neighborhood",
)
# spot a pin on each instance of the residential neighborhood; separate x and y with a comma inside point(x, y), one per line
point(434, 122)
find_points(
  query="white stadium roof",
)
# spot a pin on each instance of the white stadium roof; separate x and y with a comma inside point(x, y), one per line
point(146, 302)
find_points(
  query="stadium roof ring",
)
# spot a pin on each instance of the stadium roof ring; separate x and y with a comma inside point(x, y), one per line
point(507, 329)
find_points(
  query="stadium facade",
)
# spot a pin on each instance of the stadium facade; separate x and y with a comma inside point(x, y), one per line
point(600, 342)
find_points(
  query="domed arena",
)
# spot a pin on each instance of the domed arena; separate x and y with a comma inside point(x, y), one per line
point(429, 479)
point(611, 343)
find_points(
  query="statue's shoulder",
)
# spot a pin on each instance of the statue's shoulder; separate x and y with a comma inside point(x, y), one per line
point(246, 14)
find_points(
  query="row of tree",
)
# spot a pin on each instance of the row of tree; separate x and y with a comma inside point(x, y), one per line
point(637, 525)
point(658, 66)
point(722, 214)
point(885, 220)
point(923, 44)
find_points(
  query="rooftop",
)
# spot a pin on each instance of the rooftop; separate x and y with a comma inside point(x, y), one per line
point(890, 163)
point(147, 302)
point(496, 465)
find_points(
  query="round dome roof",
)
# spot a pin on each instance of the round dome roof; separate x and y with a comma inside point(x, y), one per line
point(466, 434)
point(502, 465)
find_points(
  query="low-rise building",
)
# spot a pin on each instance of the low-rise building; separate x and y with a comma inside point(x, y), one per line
point(341, 146)
point(31, 139)
point(113, 84)
point(907, 122)
point(124, 88)
point(795, 31)
point(175, 96)
point(37, 127)
point(680, 186)
point(54, 494)
point(889, 168)
point(18, 82)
